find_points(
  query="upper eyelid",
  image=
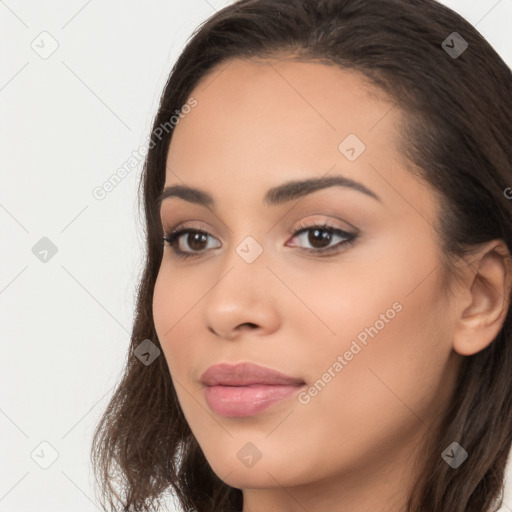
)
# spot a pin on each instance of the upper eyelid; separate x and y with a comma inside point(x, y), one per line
point(318, 218)
point(302, 226)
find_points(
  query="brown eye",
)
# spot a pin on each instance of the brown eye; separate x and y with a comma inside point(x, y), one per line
point(195, 239)
point(319, 237)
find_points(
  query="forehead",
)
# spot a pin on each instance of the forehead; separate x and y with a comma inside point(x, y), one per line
point(262, 122)
point(261, 105)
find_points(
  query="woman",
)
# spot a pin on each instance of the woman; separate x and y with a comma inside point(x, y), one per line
point(324, 320)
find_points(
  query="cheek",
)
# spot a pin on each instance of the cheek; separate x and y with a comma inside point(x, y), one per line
point(389, 324)
point(171, 302)
point(350, 302)
point(342, 297)
point(394, 347)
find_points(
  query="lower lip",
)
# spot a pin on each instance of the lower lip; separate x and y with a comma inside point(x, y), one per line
point(244, 401)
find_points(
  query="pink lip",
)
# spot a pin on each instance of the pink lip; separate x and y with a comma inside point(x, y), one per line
point(245, 389)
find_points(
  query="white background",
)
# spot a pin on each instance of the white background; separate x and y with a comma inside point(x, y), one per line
point(68, 123)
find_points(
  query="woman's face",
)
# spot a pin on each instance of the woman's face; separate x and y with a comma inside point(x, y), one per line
point(364, 330)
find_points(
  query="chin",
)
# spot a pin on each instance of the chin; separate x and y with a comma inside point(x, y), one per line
point(266, 472)
point(257, 477)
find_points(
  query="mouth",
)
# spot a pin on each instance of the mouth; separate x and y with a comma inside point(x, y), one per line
point(246, 389)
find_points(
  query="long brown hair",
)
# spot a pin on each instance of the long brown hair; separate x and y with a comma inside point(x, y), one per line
point(456, 134)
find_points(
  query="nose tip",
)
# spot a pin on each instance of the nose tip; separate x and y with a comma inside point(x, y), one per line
point(241, 306)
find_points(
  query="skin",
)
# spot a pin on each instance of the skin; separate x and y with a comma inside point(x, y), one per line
point(352, 447)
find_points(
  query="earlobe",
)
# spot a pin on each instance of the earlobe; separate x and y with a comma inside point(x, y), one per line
point(489, 286)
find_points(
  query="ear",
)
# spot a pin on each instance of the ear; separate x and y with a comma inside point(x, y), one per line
point(484, 300)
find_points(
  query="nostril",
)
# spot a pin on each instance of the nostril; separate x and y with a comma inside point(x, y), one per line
point(249, 324)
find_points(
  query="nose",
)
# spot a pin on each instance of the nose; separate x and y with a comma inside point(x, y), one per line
point(242, 300)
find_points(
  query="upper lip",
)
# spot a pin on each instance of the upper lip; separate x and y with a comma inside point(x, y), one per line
point(245, 374)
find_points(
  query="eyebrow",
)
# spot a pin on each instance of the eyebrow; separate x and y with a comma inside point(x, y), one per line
point(274, 196)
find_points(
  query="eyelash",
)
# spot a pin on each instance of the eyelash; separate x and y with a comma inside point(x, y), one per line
point(171, 238)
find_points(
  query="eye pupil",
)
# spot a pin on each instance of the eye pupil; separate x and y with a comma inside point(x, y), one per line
point(314, 238)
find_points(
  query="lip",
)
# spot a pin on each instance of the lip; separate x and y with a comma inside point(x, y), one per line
point(245, 389)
